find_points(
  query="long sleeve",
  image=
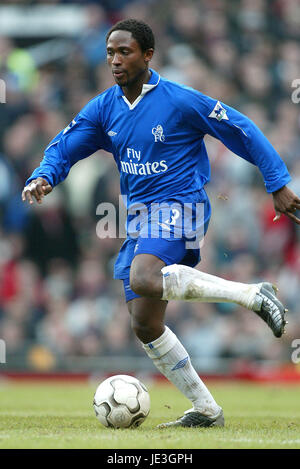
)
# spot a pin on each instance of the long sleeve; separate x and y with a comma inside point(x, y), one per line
point(81, 138)
point(239, 134)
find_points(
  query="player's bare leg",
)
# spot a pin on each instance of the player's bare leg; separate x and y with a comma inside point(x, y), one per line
point(147, 318)
point(146, 277)
point(173, 361)
point(180, 282)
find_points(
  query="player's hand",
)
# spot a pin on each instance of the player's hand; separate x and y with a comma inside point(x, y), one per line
point(287, 202)
point(37, 188)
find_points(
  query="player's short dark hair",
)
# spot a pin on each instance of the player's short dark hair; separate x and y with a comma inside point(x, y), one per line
point(140, 31)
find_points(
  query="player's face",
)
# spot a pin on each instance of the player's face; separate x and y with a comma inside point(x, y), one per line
point(126, 59)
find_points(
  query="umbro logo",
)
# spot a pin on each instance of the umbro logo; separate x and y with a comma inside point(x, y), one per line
point(163, 225)
point(180, 364)
point(111, 133)
point(69, 126)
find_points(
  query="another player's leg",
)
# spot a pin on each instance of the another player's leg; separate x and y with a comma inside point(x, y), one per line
point(180, 282)
point(173, 361)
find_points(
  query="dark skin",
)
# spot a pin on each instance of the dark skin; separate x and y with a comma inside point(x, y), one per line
point(286, 202)
point(130, 68)
point(128, 63)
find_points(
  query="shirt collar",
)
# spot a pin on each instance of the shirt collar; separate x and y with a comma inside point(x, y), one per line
point(152, 83)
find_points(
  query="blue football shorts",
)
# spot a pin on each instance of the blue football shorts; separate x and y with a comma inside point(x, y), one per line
point(171, 231)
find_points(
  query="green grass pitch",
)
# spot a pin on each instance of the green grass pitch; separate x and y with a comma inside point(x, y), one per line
point(61, 416)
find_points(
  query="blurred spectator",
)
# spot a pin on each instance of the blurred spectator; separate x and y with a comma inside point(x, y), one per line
point(50, 234)
point(17, 66)
point(92, 41)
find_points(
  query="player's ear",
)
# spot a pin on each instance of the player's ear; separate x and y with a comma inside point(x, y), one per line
point(148, 54)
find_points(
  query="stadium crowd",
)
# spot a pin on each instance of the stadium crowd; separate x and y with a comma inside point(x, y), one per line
point(56, 287)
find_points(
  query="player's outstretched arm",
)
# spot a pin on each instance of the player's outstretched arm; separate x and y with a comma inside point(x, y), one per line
point(37, 188)
point(80, 139)
point(240, 135)
point(287, 202)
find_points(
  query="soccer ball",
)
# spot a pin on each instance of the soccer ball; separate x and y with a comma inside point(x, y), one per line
point(121, 401)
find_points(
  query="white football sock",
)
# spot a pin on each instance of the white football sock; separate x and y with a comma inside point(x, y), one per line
point(185, 283)
point(173, 361)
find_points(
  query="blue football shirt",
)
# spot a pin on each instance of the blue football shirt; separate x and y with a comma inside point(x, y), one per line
point(157, 141)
